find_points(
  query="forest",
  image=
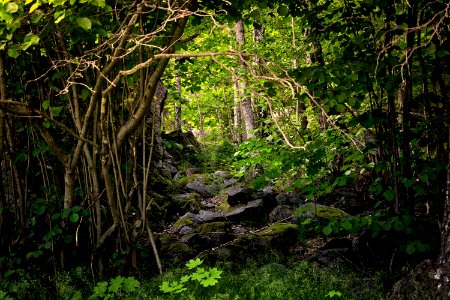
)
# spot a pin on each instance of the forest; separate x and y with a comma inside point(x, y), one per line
point(199, 149)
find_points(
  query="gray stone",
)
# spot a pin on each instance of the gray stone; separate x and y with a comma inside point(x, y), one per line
point(290, 198)
point(205, 216)
point(200, 187)
point(282, 212)
point(238, 195)
point(252, 212)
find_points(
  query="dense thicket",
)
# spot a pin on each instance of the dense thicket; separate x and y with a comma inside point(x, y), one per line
point(321, 94)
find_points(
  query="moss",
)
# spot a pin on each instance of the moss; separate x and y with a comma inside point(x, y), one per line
point(188, 200)
point(172, 247)
point(223, 207)
point(183, 221)
point(205, 178)
point(277, 229)
point(213, 227)
point(329, 212)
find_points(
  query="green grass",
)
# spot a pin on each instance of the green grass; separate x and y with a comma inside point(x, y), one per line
point(273, 281)
point(270, 281)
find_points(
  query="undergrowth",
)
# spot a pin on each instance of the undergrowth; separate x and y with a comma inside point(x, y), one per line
point(253, 281)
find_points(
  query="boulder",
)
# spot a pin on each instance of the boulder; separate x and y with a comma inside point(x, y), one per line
point(238, 195)
point(250, 213)
point(282, 213)
point(290, 198)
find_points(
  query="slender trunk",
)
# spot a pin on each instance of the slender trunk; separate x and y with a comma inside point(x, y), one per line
point(177, 108)
point(246, 104)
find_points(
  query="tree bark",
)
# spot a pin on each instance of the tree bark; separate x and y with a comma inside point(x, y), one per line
point(245, 99)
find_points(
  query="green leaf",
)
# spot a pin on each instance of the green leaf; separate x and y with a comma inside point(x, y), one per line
point(13, 53)
point(59, 16)
point(347, 225)
point(283, 10)
point(56, 110)
point(37, 16)
point(74, 218)
point(191, 264)
point(45, 104)
point(84, 23)
point(130, 284)
point(411, 248)
point(389, 195)
point(115, 284)
point(12, 7)
point(327, 230)
point(100, 289)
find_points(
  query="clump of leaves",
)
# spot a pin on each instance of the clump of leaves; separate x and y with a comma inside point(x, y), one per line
point(116, 288)
point(204, 277)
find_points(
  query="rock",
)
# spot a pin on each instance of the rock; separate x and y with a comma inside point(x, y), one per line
point(171, 247)
point(186, 230)
point(318, 211)
point(199, 187)
point(229, 182)
point(188, 202)
point(278, 236)
point(238, 195)
point(282, 212)
point(203, 216)
point(420, 283)
point(222, 175)
point(199, 183)
point(290, 198)
point(252, 212)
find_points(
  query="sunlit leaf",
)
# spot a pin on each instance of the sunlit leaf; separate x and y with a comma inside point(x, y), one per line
point(84, 23)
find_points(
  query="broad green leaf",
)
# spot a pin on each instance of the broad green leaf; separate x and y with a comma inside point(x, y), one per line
point(347, 225)
point(37, 16)
point(411, 248)
point(84, 23)
point(283, 10)
point(56, 110)
point(339, 108)
point(99, 3)
point(12, 7)
point(389, 195)
point(46, 104)
point(191, 264)
point(327, 230)
point(130, 284)
point(74, 218)
point(13, 53)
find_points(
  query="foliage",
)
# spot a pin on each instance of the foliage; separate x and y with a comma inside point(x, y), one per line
point(275, 281)
point(116, 288)
point(204, 277)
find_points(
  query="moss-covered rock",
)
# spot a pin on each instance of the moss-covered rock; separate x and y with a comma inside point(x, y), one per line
point(172, 248)
point(320, 212)
point(277, 236)
point(185, 220)
point(214, 227)
point(204, 178)
point(189, 202)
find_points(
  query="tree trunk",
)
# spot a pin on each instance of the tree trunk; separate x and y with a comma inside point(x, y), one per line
point(177, 108)
point(245, 99)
